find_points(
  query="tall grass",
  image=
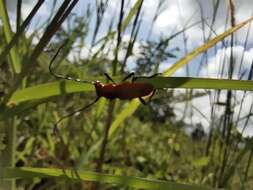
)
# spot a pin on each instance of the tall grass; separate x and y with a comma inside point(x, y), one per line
point(30, 104)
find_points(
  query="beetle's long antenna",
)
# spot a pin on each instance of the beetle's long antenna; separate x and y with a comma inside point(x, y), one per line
point(56, 130)
point(62, 76)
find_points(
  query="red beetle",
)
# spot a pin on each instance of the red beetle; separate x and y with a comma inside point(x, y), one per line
point(124, 90)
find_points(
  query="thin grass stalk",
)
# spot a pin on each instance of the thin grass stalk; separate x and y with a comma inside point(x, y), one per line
point(245, 46)
point(249, 77)
point(185, 49)
point(119, 38)
point(231, 170)
point(100, 162)
point(18, 16)
point(210, 136)
point(220, 148)
point(100, 10)
point(105, 140)
point(222, 61)
point(204, 58)
point(133, 36)
point(228, 123)
point(243, 98)
point(249, 162)
point(130, 47)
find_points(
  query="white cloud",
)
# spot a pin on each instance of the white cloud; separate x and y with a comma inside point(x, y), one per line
point(199, 111)
point(222, 59)
point(165, 19)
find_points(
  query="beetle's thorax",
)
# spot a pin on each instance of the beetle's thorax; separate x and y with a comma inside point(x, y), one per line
point(98, 84)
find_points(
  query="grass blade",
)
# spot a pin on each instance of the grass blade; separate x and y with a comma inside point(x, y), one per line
point(131, 14)
point(62, 87)
point(136, 182)
point(48, 90)
point(198, 83)
point(129, 110)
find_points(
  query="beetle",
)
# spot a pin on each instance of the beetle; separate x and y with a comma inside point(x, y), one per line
point(123, 91)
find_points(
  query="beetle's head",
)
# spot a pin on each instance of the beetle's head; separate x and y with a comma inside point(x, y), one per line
point(98, 84)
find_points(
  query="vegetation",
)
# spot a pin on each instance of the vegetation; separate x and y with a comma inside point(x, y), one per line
point(114, 144)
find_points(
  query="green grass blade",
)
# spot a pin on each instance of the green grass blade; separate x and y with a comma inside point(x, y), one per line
point(198, 83)
point(8, 36)
point(136, 182)
point(128, 111)
point(130, 15)
point(100, 107)
point(49, 90)
point(203, 48)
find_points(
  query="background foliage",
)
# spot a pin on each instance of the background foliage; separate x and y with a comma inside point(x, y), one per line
point(120, 138)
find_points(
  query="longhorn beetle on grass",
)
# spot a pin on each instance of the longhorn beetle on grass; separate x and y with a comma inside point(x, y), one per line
point(124, 90)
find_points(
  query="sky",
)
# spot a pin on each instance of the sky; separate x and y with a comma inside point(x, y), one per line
point(174, 16)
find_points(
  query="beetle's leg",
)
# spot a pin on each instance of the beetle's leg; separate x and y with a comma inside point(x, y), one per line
point(142, 101)
point(154, 75)
point(149, 99)
point(109, 78)
point(151, 96)
point(128, 76)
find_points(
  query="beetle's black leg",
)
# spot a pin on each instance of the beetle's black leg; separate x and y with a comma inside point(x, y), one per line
point(154, 75)
point(109, 78)
point(142, 101)
point(128, 76)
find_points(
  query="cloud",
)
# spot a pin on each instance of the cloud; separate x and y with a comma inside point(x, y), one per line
point(27, 6)
point(222, 60)
point(165, 19)
point(199, 110)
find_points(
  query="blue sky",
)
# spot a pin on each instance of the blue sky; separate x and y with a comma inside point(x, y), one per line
point(173, 17)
